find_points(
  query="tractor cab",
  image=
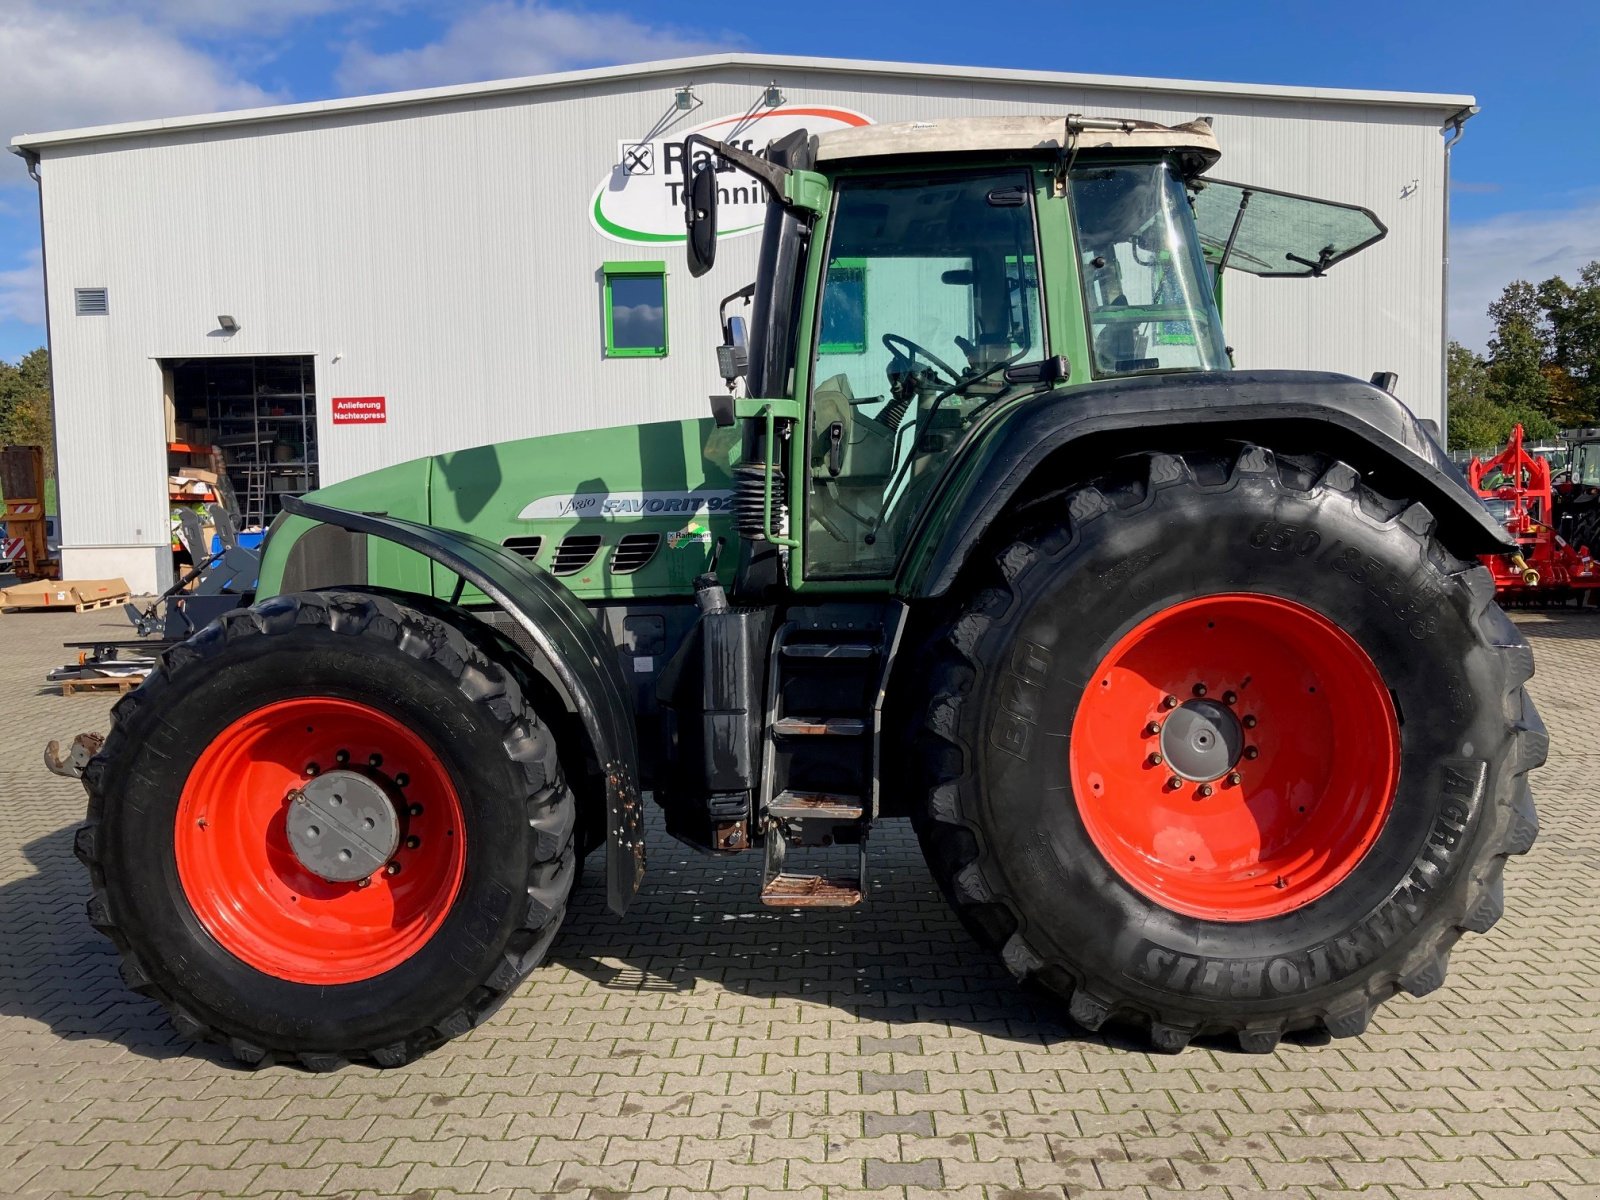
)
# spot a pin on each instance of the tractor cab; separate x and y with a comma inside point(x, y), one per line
point(919, 280)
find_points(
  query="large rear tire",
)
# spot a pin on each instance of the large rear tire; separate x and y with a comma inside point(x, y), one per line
point(1344, 774)
point(209, 853)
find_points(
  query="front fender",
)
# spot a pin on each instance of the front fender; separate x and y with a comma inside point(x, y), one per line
point(572, 642)
point(1353, 420)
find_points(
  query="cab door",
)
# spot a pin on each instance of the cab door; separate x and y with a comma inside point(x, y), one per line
point(929, 292)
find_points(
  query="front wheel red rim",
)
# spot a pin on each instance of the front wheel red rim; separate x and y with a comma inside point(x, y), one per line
point(251, 891)
point(1234, 757)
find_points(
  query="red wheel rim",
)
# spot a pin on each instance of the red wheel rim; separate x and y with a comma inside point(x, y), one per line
point(1309, 782)
point(248, 887)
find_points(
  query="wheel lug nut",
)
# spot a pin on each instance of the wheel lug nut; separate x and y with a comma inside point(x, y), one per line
point(1199, 689)
point(312, 769)
point(1236, 779)
point(342, 757)
point(1169, 702)
point(1230, 697)
point(1153, 728)
point(1206, 789)
point(415, 810)
point(413, 842)
point(1174, 783)
point(361, 883)
point(1154, 760)
point(374, 760)
point(1250, 722)
point(392, 869)
point(1251, 752)
point(402, 779)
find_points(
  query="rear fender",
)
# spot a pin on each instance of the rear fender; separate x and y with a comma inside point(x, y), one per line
point(1076, 432)
point(574, 647)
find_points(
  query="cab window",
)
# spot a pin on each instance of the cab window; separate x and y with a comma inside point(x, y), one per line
point(930, 291)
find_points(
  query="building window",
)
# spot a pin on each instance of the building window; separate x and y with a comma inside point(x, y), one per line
point(844, 308)
point(636, 309)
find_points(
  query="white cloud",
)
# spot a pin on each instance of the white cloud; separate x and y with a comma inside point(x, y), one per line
point(81, 65)
point(1486, 255)
point(520, 37)
point(203, 17)
point(22, 291)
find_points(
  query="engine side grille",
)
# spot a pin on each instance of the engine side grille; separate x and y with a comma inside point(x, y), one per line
point(575, 553)
point(633, 552)
point(528, 547)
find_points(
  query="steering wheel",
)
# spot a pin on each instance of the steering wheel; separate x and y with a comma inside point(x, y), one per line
point(893, 341)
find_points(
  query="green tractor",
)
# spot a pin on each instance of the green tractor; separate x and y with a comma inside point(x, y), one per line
point(1187, 676)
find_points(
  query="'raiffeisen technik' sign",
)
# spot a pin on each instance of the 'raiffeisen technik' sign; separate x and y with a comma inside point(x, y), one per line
point(641, 200)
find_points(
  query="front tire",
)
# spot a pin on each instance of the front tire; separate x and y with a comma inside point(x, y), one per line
point(396, 735)
point(1362, 690)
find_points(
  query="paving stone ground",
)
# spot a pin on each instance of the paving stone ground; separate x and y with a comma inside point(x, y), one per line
point(704, 1046)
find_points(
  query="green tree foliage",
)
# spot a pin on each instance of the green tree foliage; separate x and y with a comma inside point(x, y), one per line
point(1542, 369)
point(25, 414)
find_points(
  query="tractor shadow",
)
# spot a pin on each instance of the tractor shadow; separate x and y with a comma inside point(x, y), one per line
point(60, 972)
point(899, 959)
point(902, 957)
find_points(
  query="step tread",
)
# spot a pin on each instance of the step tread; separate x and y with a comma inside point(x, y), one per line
point(811, 891)
point(793, 806)
point(845, 650)
point(819, 726)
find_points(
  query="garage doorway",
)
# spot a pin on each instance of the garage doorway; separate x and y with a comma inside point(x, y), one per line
point(252, 422)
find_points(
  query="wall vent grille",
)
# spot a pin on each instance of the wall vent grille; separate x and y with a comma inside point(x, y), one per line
point(91, 302)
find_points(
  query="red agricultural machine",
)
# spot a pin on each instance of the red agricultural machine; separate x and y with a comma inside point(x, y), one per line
point(1516, 486)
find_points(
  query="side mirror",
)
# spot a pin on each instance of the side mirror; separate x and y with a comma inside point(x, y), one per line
point(700, 215)
point(733, 356)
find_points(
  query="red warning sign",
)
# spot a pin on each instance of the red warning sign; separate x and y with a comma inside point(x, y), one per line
point(360, 410)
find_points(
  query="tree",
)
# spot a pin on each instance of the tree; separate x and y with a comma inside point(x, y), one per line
point(1474, 422)
point(1477, 420)
point(1517, 352)
point(1572, 313)
point(25, 413)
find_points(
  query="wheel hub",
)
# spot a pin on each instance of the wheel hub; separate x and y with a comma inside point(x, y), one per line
point(342, 826)
point(1202, 740)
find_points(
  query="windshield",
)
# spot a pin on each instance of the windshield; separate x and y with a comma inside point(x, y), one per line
point(1146, 287)
point(931, 290)
point(1586, 463)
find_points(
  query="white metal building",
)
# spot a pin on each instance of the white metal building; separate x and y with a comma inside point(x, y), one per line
point(419, 272)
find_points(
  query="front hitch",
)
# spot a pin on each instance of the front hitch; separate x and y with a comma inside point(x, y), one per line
point(84, 747)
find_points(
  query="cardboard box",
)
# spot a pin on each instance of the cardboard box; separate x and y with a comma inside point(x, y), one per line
point(76, 594)
point(197, 473)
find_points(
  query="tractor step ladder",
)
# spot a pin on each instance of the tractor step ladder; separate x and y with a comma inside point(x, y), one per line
point(820, 767)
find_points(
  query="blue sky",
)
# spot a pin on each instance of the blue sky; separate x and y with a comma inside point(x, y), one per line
point(1526, 202)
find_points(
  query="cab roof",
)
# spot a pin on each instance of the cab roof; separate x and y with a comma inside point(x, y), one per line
point(1194, 141)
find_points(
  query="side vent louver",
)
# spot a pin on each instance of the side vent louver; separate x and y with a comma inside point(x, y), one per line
point(575, 553)
point(528, 547)
point(91, 302)
point(633, 552)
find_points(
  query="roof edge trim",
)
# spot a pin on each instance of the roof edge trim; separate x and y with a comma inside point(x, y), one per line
point(763, 62)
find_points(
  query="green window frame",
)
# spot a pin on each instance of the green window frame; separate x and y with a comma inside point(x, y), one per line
point(853, 345)
point(630, 271)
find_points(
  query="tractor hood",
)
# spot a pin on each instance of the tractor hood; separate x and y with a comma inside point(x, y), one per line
point(633, 511)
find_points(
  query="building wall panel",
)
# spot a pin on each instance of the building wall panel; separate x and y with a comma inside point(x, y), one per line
point(441, 255)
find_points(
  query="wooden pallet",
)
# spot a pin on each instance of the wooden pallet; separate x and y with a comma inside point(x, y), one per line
point(103, 602)
point(101, 683)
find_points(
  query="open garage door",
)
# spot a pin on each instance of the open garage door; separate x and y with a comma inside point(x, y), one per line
point(249, 422)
